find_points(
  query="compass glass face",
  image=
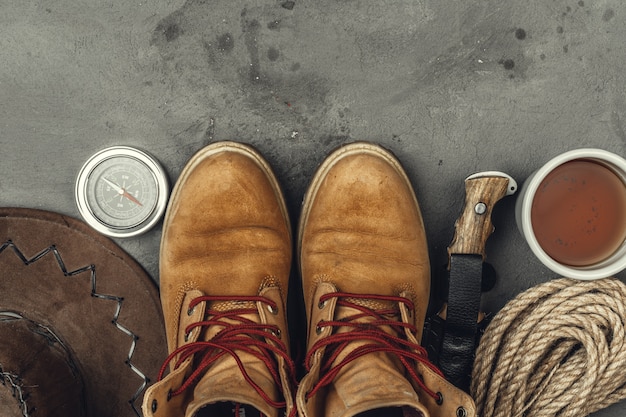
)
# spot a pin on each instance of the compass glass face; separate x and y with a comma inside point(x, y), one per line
point(121, 192)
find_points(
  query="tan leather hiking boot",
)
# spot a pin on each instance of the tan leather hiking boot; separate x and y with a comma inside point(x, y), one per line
point(366, 277)
point(224, 270)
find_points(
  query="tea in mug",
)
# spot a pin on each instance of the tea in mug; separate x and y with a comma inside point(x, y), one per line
point(578, 213)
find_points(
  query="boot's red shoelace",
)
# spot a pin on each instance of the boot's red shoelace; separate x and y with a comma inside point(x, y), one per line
point(238, 334)
point(371, 332)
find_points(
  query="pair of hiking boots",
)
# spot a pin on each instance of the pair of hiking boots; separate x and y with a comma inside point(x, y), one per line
point(225, 262)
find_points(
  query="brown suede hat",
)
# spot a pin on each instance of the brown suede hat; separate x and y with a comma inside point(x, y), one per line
point(81, 328)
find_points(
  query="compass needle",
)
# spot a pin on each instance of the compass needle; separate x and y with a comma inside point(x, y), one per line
point(112, 184)
point(131, 198)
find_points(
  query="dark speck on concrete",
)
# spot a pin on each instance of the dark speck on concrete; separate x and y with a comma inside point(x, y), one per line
point(289, 5)
point(295, 67)
point(581, 3)
point(508, 64)
point(559, 29)
point(608, 15)
point(566, 49)
point(542, 56)
point(520, 34)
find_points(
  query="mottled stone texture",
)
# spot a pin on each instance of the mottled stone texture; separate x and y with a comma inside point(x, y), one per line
point(451, 87)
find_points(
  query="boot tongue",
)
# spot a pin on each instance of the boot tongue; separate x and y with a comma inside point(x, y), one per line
point(374, 381)
point(224, 381)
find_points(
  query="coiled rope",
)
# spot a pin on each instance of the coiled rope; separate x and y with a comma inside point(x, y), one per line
point(556, 349)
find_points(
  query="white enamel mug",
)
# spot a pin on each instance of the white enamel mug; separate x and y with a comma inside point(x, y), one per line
point(607, 267)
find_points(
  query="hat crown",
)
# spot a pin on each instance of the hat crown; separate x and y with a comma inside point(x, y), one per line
point(37, 371)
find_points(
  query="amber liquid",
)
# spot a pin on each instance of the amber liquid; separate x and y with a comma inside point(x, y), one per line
point(579, 213)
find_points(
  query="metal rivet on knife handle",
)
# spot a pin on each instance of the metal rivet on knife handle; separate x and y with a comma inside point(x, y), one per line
point(480, 208)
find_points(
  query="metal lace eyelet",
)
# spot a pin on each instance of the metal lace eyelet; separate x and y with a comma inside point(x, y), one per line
point(276, 332)
point(190, 311)
point(273, 310)
point(439, 399)
point(321, 305)
point(319, 329)
point(461, 412)
point(154, 405)
point(187, 335)
point(169, 394)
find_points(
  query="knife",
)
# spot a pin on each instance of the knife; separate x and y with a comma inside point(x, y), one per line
point(466, 256)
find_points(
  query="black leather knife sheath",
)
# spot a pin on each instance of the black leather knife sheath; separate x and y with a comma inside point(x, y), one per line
point(458, 347)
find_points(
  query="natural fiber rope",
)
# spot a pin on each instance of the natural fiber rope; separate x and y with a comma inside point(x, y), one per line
point(557, 349)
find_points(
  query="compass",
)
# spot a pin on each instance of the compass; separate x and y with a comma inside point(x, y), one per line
point(121, 191)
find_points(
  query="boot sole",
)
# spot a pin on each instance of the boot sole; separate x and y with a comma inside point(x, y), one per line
point(213, 149)
point(356, 148)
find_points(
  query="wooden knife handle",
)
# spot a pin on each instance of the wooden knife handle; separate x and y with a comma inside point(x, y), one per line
point(473, 227)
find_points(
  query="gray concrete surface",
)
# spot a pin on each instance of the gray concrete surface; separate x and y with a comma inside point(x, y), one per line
point(451, 87)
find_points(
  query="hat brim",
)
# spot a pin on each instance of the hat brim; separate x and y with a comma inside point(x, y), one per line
point(57, 271)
